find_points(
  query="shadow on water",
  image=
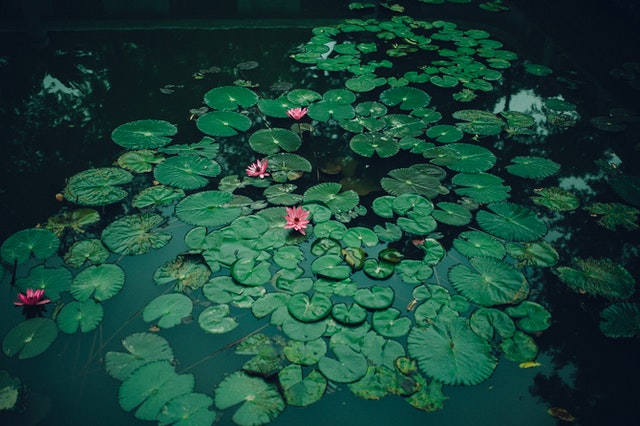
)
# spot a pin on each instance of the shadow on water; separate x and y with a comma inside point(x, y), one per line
point(61, 101)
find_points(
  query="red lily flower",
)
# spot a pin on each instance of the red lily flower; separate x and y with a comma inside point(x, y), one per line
point(297, 219)
point(258, 169)
point(297, 113)
point(31, 298)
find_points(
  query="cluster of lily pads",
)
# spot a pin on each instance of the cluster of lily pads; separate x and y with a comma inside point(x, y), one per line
point(412, 274)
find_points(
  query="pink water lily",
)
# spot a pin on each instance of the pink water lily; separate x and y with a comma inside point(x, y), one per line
point(31, 298)
point(258, 169)
point(297, 219)
point(297, 113)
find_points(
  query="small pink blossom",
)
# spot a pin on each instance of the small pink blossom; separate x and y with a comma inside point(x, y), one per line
point(31, 298)
point(297, 113)
point(297, 219)
point(258, 169)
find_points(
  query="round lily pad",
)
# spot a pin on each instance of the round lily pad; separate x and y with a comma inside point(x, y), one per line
point(406, 98)
point(309, 309)
point(52, 280)
point(378, 269)
point(620, 320)
point(102, 281)
point(271, 141)
point(186, 171)
point(144, 134)
point(305, 353)
point(491, 282)
point(84, 315)
point(389, 323)
point(142, 348)
point(251, 272)
point(303, 331)
point(299, 391)
point(375, 297)
point(512, 222)
point(452, 353)
point(260, 402)
point(91, 250)
point(484, 321)
point(445, 133)
point(349, 314)
point(347, 366)
point(208, 208)
point(168, 310)
point(452, 214)
point(223, 123)
point(477, 243)
point(366, 144)
point(188, 409)
point(472, 158)
point(230, 98)
point(216, 319)
point(331, 266)
point(533, 167)
point(30, 338)
point(531, 317)
point(97, 187)
point(135, 234)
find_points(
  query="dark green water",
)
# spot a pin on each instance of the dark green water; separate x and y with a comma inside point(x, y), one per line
point(59, 105)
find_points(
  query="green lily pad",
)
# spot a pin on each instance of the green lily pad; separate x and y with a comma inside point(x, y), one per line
point(142, 348)
point(190, 273)
point(486, 322)
point(511, 222)
point(151, 386)
point(406, 98)
point(135, 234)
point(472, 158)
point(208, 208)
point(251, 272)
point(52, 280)
point(10, 390)
point(378, 269)
point(144, 134)
point(478, 244)
point(84, 315)
point(531, 316)
point(102, 281)
point(389, 323)
point(276, 107)
point(299, 391)
point(188, 409)
point(366, 144)
point(537, 69)
point(91, 250)
point(603, 277)
point(309, 309)
point(74, 220)
point(216, 319)
point(271, 141)
point(519, 348)
point(347, 366)
point(186, 171)
point(303, 331)
point(324, 110)
point(451, 214)
point(286, 166)
point(139, 161)
point(537, 253)
point(329, 194)
point(444, 133)
point(305, 353)
point(157, 196)
point(206, 148)
point(491, 282)
point(410, 181)
point(168, 310)
point(452, 353)
point(97, 187)
point(620, 320)
point(614, 215)
point(223, 123)
point(260, 402)
point(414, 271)
point(375, 297)
point(478, 122)
point(230, 98)
point(481, 187)
point(30, 338)
point(556, 199)
point(352, 314)
point(331, 266)
point(533, 167)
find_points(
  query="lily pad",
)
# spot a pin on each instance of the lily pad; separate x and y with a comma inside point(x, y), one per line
point(491, 282)
point(188, 409)
point(556, 199)
point(142, 348)
point(168, 310)
point(30, 338)
point(309, 309)
point(331, 266)
point(410, 181)
point(602, 277)
point(537, 253)
point(329, 193)
point(52, 280)
point(208, 208)
point(375, 297)
point(406, 98)
point(620, 320)
point(519, 348)
point(472, 158)
point(512, 222)
point(157, 196)
point(189, 272)
point(91, 250)
point(481, 187)
point(186, 171)
point(614, 215)
point(452, 353)
point(271, 141)
point(223, 123)
point(477, 244)
point(366, 144)
point(478, 122)
point(451, 214)
point(102, 281)
point(349, 314)
point(533, 167)
point(487, 322)
point(151, 386)
point(97, 187)
point(135, 234)
point(299, 391)
point(139, 161)
point(260, 401)
point(216, 319)
point(144, 134)
point(444, 133)
point(305, 353)
point(389, 323)
point(230, 98)
point(347, 366)
point(84, 315)
point(531, 316)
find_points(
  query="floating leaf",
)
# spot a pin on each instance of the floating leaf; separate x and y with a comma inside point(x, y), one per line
point(230, 98)
point(537, 253)
point(97, 187)
point(451, 353)
point(309, 309)
point(347, 366)
point(271, 141)
point(52, 280)
point(139, 161)
point(102, 281)
point(614, 215)
point(519, 348)
point(85, 315)
point(157, 196)
point(409, 181)
point(477, 244)
point(216, 319)
point(531, 316)
point(481, 187)
point(451, 214)
point(331, 266)
point(299, 391)
point(375, 297)
point(223, 123)
point(135, 234)
point(389, 323)
point(30, 338)
point(329, 194)
point(188, 409)
point(406, 98)
point(151, 386)
point(142, 348)
point(144, 134)
point(349, 314)
point(186, 171)
point(444, 133)
point(305, 353)
point(366, 144)
point(190, 273)
point(477, 122)
point(511, 222)
point(491, 282)
point(260, 401)
point(472, 158)
point(208, 208)
point(620, 320)
point(91, 250)
point(602, 277)
point(533, 167)
point(250, 272)
point(168, 310)
point(484, 321)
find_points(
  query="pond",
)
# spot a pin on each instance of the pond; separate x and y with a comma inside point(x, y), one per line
point(471, 247)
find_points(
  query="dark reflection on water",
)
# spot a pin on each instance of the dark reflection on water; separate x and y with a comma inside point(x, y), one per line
point(60, 103)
